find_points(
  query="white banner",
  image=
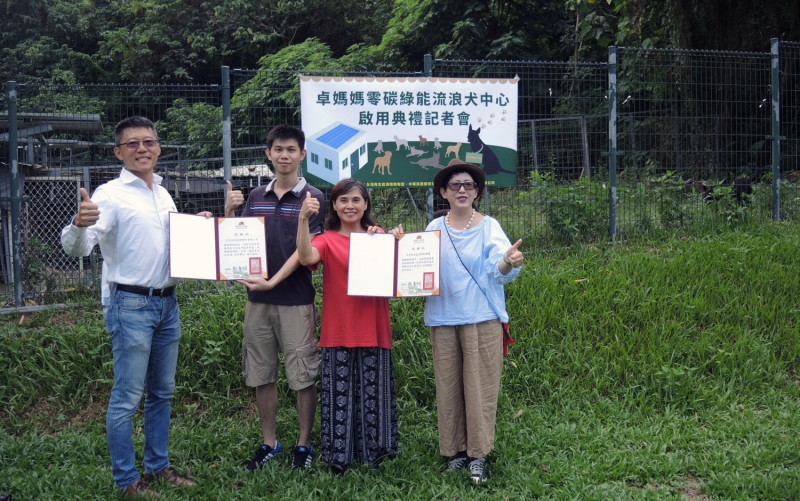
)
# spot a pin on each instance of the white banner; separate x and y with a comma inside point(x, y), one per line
point(400, 131)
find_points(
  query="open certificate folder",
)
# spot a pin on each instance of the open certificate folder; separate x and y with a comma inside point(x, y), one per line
point(381, 265)
point(216, 248)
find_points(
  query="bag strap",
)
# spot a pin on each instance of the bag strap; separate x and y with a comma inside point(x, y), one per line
point(449, 237)
point(507, 339)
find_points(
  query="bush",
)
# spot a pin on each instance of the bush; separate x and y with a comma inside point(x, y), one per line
point(576, 212)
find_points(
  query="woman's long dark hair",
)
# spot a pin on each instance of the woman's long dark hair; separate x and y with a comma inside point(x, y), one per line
point(332, 221)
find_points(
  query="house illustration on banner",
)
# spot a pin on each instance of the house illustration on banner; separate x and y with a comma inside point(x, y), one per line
point(336, 152)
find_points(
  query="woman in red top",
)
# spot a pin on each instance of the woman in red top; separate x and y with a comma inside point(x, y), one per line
point(358, 406)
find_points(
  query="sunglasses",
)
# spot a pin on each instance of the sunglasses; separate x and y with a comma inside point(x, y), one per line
point(133, 144)
point(468, 186)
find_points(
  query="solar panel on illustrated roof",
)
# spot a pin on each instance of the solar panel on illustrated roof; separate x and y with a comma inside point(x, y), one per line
point(337, 136)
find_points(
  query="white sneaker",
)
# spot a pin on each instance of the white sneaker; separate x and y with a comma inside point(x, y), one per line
point(458, 462)
point(477, 469)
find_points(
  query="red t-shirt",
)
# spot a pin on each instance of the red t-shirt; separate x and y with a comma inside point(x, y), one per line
point(348, 321)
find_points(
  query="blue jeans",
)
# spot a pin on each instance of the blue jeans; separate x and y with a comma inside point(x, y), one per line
point(144, 338)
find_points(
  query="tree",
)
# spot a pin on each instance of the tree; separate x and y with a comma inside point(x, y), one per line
point(189, 124)
point(474, 29)
point(186, 41)
point(266, 99)
point(729, 25)
point(48, 41)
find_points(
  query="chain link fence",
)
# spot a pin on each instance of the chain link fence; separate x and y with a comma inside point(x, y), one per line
point(651, 143)
point(65, 141)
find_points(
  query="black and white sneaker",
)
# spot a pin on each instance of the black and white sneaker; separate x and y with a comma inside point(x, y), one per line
point(263, 455)
point(302, 456)
point(477, 470)
point(458, 462)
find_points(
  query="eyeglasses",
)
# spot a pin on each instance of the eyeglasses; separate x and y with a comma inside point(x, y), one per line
point(133, 144)
point(468, 186)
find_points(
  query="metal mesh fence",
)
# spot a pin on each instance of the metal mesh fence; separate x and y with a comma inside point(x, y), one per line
point(693, 126)
point(789, 67)
point(562, 111)
point(562, 136)
point(693, 133)
point(71, 146)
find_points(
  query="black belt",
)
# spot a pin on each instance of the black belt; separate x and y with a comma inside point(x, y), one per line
point(144, 291)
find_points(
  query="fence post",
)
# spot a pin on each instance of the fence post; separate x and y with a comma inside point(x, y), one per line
point(634, 167)
point(226, 124)
point(776, 128)
point(16, 191)
point(587, 164)
point(428, 71)
point(612, 142)
point(94, 261)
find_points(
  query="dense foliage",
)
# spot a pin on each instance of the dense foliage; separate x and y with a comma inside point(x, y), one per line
point(187, 41)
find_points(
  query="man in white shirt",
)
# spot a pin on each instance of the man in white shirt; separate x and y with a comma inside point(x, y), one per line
point(129, 217)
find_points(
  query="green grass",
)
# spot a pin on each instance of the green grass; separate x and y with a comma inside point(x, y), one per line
point(661, 370)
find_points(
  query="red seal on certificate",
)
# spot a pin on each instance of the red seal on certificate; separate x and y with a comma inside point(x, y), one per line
point(255, 266)
point(428, 283)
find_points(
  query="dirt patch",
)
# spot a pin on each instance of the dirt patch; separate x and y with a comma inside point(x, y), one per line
point(50, 417)
point(693, 490)
point(690, 489)
point(95, 410)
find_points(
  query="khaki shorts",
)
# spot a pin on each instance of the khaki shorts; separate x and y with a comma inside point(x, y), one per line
point(270, 329)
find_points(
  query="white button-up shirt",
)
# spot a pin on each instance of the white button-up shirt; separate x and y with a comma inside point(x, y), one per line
point(132, 231)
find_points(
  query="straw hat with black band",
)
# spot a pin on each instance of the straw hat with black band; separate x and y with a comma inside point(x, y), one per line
point(454, 167)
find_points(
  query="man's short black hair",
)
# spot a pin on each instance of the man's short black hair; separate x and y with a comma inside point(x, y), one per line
point(132, 123)
point(284, 132)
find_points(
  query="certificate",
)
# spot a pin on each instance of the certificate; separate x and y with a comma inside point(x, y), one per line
point(381, 265)
point(216, 248)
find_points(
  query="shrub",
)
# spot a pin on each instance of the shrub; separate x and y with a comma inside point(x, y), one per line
point(575, 212)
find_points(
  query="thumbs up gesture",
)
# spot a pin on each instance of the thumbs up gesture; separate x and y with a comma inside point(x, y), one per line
point(514, 256)
point(310, 206)
point(88, 213)
point(233, 199)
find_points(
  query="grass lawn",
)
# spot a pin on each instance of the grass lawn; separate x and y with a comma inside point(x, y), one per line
point(660, 370)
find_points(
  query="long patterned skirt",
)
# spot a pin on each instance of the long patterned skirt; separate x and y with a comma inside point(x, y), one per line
point(358, 406)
